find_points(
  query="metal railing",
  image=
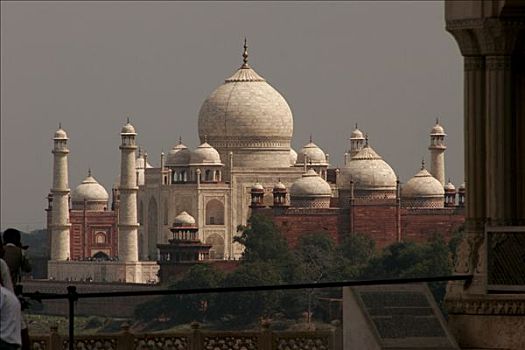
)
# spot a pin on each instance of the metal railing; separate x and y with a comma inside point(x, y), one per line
point(72, 295)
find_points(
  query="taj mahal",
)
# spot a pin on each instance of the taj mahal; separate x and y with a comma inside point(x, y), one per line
point(244, 163)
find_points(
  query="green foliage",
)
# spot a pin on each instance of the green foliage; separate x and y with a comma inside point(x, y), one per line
point(262, 241)
point(236, 309)
point(409, 259)
point(185, 308)
point(268, 260)
point(37, 241)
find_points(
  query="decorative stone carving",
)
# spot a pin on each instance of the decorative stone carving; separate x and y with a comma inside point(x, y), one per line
point(474, 63)
point(93, 344)
point(302, 343)
point(161, 343)
point(230, 342)
point(498, 62)
point(486, 306)
point(39, 344)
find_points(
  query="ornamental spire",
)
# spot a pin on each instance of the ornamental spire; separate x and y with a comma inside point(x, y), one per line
point(245, 55)
point(422, 163)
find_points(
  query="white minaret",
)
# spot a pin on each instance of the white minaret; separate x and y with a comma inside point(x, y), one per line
point(357, 141)
point(128, 225)
point(437, 152)
point(60, 212)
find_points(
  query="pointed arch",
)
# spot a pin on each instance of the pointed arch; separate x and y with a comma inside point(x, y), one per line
point(153, 228)
point(165, 214)
point(141, 213)
point(217, 246)
point(214, 212)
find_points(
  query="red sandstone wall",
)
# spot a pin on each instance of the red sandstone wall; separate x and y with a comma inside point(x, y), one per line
point(422, 225)
point(379, 222)
point(83, 228)
point(293, 226)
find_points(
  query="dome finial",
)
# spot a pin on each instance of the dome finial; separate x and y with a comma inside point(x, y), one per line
point(89, 171)
point(180, 140)
point(205, 138)
point(366, 140)
point(356, 126)
point(60, 125)
point(245, 54)
point(437, 121)
point(311, 138)
point(422, 163)
point(127, 119)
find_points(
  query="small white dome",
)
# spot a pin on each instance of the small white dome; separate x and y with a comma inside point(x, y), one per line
point(128, 129)
point(314, 153)
point(205, 154)
point(279, 186)
point(89, 190)
point(462, 187)
point(357, 134)
point(450, 186)
point(184, 219)
point(178, 155)
point(258, 187)
point(60, 134)
point(422, 185)
point(293, 157)
point(437, 130)
point(310, 185)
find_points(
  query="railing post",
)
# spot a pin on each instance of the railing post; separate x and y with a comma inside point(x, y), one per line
point(125, 339)
point(196, 336)
point(72, 297)
point(266, 335)
point(337, 335)
point(55, 340)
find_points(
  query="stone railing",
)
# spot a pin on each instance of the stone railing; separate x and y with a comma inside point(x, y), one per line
point(196, 339)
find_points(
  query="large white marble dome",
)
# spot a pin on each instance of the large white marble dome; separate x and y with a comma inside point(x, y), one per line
point(248, 117)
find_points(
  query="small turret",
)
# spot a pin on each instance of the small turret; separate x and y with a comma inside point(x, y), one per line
point(257, 194)
point(437, 152)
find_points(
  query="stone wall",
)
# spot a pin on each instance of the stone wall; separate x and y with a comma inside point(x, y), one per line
point(195, 339)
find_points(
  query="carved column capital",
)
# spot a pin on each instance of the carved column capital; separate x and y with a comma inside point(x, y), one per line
point(498, 62)
point(474, 63)
point(498, 37)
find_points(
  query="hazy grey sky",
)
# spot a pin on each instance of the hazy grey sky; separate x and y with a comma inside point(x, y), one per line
point(389, 66)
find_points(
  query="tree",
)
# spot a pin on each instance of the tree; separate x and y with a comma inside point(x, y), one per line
point(263, 242)
point(185, 308)
point(409, 259)
point(242, 309)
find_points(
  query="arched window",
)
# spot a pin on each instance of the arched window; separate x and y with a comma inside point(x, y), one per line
point(141, 213)
point(217, 246)
point(100, 238)
point(217, 176)
point(100, 256)
point(165, 212)
point(153, 228)
point(207, 175)
point(214, 212)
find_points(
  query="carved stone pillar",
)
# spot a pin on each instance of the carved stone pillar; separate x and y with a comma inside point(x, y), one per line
point(500, 142)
